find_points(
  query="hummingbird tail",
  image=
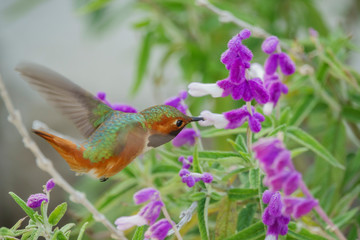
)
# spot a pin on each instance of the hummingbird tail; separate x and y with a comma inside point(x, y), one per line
point(70, 151)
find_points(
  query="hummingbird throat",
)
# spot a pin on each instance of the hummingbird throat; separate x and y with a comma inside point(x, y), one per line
point(156, 140)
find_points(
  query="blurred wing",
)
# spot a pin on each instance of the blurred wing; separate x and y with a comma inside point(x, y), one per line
point(114, 135)
point(84, 109)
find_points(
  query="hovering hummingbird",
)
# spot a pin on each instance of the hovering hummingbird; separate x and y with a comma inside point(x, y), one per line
point(113, 138)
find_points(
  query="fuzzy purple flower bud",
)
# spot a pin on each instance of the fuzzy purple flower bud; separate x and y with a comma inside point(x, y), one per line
point(287, 66)
point(35, 200)
point(189, 180)
point(184, 172)
point(50, 185)
point(186, 162)
point(159, 230)
point(146, 194)
point(270, 44)
point(207, 177)
point(271, 64)
point(267, 196)
point(186, 136)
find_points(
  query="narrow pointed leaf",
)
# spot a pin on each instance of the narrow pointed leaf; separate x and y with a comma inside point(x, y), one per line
point(82, 230)
point(226, 220)
point(242, 193)
point(139, 233)
point(23, 205)
point(311, 143)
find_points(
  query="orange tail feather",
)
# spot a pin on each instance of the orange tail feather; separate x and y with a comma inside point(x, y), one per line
point(71, 152)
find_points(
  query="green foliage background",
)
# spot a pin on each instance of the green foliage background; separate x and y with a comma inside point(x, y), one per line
point(319, 117)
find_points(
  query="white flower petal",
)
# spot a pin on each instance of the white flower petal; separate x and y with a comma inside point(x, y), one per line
point(268, 108)
point(256, 71)
point(201, 89)
point(124, 223)
point(218, 120)
point(270, 237)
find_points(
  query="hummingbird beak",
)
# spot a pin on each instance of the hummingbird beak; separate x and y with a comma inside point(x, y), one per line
point(195, 119)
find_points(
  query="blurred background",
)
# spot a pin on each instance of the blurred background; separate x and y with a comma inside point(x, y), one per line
point(140, 53)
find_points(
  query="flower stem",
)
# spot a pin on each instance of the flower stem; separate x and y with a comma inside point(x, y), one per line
point(167, 216)
point(248, 131)
point(322, 213)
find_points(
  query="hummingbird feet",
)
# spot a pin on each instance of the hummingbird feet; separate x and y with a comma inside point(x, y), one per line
point(103, 179)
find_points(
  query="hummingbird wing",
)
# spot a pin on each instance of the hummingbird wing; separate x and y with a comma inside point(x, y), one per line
point(120, 132)
point(83, 108)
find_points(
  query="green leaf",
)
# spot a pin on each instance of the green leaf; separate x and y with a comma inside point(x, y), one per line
point(277, 129)
point(216, 196)
point(23, 205)
point(6, 232)
point(242, 193)
point(139, 233)
point(18, 224)
point(345, 218)
point(165, 169)
point(27, 234)
point(36, 234)
point(214, 132)
point(226, 220)
point(82, 230)
point(217, 154)
point(58, 235)
point(202, 223)
point(57, 213)
point(241, 143)
point(303, 110)
point(143, 60)
point(297, 151)
point(351, 114)
point(197, 196)
point(311, 143)
point(302, 234)
point(255, 231)
point(246, 216)
point(254, 177)
point(67, 227)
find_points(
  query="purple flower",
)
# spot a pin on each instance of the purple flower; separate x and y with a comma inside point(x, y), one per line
point(216, 119)
point(191, 178)
point(247, 90)
point(271, 64)
point(159, 230)
point(186, 136)
point(50, 185)
point(124, 108)
point(35, 200)
point(273, 217)
point(151, 211)
point(207, 177)
point(118, 107)
point(177, 102)
point(287, 66)
point(186, 161)
point(238, 116)
point(270, 44)
point(298, 207)
point(146, 194)
point(147, 215)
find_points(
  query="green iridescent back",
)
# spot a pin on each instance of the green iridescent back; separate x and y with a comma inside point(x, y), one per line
point(110, 137)
point(156, 113)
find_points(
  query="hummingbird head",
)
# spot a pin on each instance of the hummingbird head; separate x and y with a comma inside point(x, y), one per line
point(165, 122)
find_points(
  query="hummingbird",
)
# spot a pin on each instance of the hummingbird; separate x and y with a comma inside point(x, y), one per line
point(113, 139)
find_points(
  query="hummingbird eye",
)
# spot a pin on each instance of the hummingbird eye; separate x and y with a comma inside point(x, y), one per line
point(179, 123)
